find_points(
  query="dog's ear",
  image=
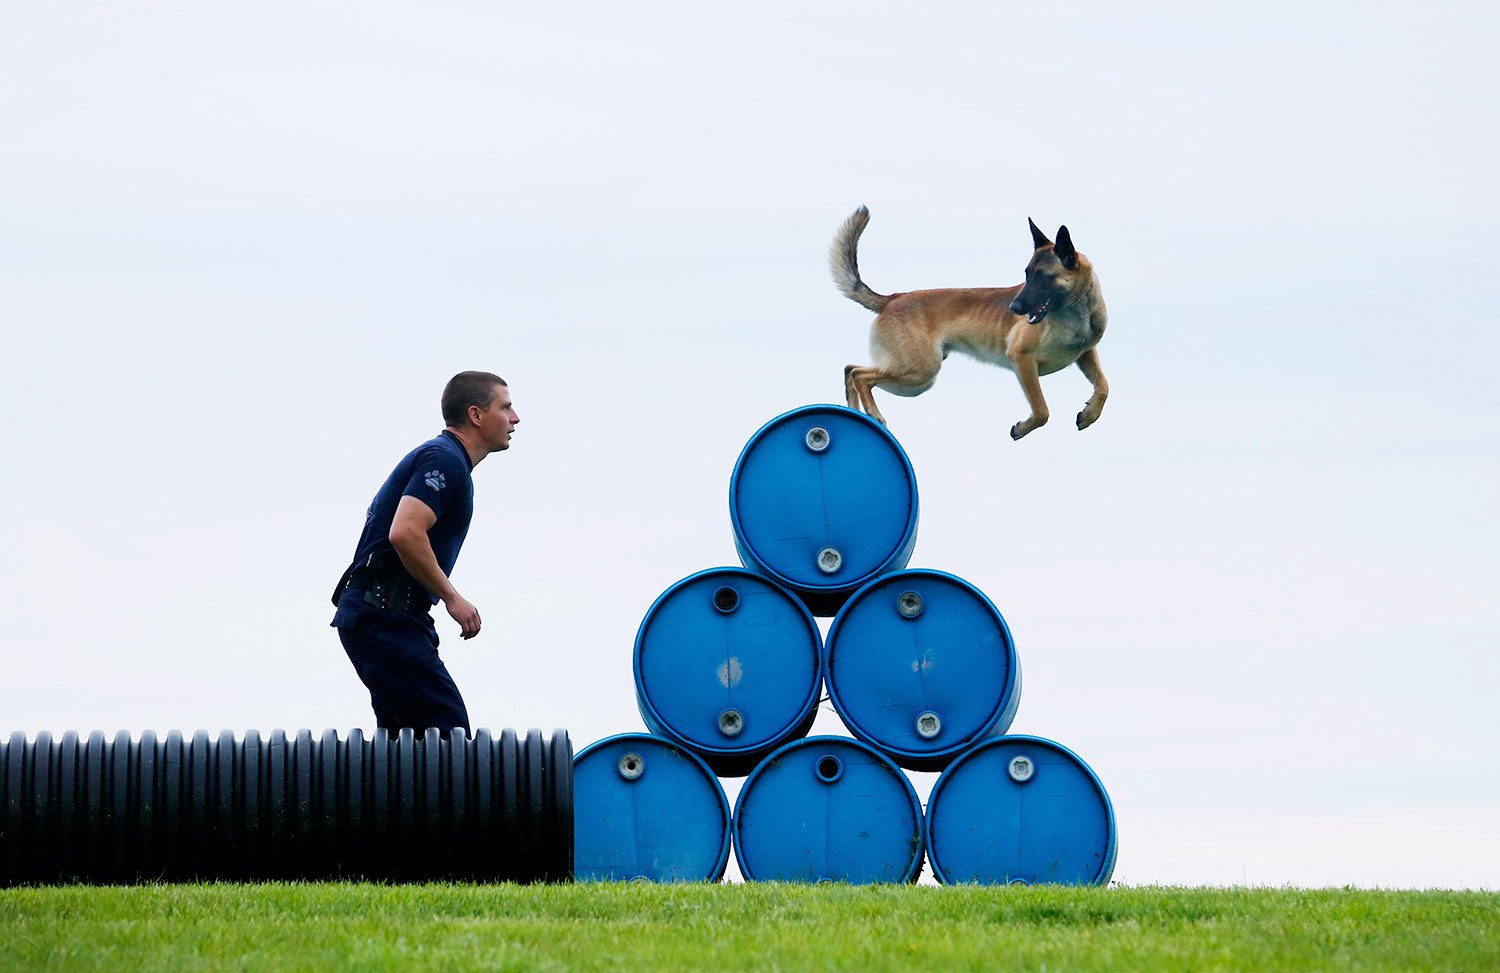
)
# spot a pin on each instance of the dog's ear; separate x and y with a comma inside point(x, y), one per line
point(1037, 236)
point(1065, 251)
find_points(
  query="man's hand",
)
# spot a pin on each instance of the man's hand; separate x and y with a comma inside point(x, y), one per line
point(465, 614)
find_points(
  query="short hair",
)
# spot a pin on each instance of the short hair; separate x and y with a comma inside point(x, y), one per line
point(466, 389)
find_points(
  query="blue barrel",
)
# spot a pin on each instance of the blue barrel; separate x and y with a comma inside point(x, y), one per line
point(647, 808)
point(729, 665)
point(828, 809)
point(823, 499)
point(1020, 810)
point(920, 664)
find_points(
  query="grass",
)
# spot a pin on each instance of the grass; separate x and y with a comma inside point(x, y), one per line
point(754, 926)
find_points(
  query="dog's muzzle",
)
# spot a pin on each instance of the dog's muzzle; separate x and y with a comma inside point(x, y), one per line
point(1032, 316)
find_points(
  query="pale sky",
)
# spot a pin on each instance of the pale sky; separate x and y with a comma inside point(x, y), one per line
point(242, 247)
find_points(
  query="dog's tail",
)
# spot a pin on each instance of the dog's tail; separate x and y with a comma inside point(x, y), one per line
point(843, 261)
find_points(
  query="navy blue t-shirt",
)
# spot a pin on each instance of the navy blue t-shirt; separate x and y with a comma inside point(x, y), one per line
point(438, 474)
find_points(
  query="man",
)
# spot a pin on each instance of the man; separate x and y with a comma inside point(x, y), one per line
point(413, 531)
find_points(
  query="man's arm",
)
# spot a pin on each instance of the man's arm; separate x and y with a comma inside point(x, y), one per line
point(409, 537)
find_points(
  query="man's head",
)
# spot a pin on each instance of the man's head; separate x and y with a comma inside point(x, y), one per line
point(477, 405)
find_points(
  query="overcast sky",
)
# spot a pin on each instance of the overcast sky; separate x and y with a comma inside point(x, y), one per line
point(242, 247)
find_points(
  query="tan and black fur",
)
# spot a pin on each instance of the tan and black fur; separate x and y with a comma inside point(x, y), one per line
point(1051, 321)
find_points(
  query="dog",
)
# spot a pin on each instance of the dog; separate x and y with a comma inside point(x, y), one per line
point(1053, 320)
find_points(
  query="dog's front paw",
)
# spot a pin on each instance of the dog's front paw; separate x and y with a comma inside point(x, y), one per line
point(1088, 416)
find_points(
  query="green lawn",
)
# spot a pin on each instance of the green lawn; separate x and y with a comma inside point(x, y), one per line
point(754, 926)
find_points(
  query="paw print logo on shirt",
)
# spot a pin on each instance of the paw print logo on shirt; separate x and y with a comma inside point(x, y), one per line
point(435, 479)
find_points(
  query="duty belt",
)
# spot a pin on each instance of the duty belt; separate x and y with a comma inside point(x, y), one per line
point(400, 595)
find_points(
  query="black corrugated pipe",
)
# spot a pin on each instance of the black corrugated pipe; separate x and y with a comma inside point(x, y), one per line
point(393, 807)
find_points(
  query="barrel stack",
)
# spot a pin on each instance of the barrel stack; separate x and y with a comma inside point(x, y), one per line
point(919, 665)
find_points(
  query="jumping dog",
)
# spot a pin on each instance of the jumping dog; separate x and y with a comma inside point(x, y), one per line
point(1053, 320)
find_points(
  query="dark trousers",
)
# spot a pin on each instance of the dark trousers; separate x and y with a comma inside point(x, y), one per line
point(397, 660)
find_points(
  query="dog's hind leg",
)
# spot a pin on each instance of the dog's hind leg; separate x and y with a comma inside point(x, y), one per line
point(914, 380)
point(907, 360)
point(1088, 363)
point(1031, 384)
point(858, 382)
point(850, 395)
